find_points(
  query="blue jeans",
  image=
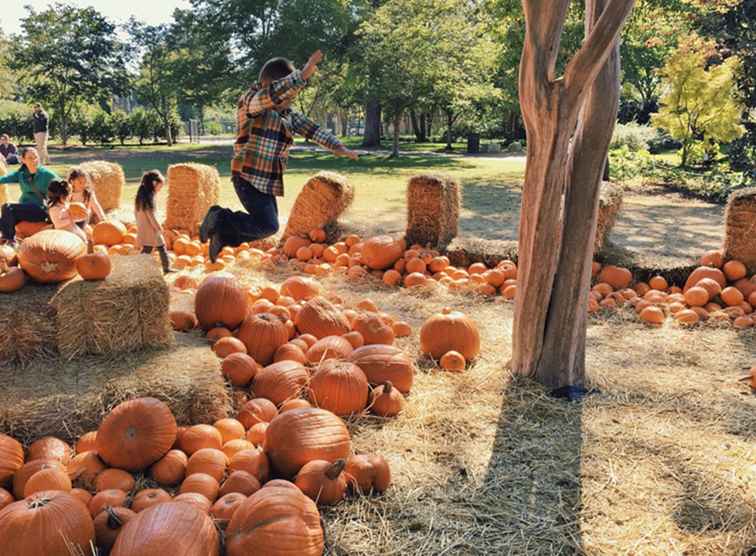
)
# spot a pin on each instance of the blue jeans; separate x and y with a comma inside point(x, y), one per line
point(260, 220)
point(13, 213)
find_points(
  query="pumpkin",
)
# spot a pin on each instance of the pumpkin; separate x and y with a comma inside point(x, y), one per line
point(317, 234)
point(8, 256)
point(330, 347)
point(30, 468)
point(108, 232)
point(225, 507)
point(215, 334)
point(105, 499)
point(149, 497)
point(401, 329)
point(256, 434)
point(298, 436)
point(185, 282)
point(169, 528)
point(279, 518)
point(732, 296)
point(208, 461)
point(182, 321)
point(373, 329)
point(220, 300)
point(237, 445)
point(280, 381)
point(6, 498)
point(47, 479)
point(11, 457)
point(11, 279)
point(95, 266)
point(84, 468)
point(86, 442)
point(81, 495)
point(263, 334)
point(201, 483)
point(453, 361)
point(387, 401)
point(712, 258)
point(734, 270)
point(108, 525)
point(294, 404)
point(258, 410)
point(382, 363)
point(451, 332)
point(230, 429)
point(136, 433)
point(240, 481)
point(617, 277)
point(194, 499)
point(658, 283)
point(368, 473)
point(198, 437)
point(381, 252)
point(239, 368)
point(299, 288)
point(323, 481)
point(711, 286)
point(308, 339)
point(114, 479)
point(47, 523)
point(293, 244)
point(697, 296)
point(253, 461)
point(49, 447)
point(321, 318)
point(290, 352)
point(652, 315)
point(354, 338)
point(50, 256)
point(414, 279)
point(340, 387)
point(226, 346)
point(304, 254)
point(705, 272)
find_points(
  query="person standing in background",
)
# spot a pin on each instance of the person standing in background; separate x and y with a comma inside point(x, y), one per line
point(41, 125)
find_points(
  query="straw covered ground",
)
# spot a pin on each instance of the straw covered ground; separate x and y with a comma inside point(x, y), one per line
point(660, 461)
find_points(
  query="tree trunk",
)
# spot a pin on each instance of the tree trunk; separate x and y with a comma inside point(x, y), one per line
point(418, 126)
point(449, 126)
point(423, 128)
point(397, 123)
point(562, 179)
point(372, 137)
point(344, 117)
point(429, 124)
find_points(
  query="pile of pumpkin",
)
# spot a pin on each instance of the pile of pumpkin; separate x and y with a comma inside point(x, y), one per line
point(140, 484)
point(717, 291)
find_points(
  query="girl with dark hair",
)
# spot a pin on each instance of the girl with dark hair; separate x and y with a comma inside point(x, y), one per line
point(33, 180)
point(58, 198)
point(149, 231)
point(82, 192)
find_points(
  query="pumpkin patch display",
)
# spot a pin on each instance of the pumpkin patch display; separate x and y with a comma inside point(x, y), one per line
point(454, 331)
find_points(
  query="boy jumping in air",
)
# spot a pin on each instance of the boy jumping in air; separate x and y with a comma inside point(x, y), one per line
point(266, 127)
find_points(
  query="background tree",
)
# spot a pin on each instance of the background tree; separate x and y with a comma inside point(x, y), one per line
point(569, 123)
point(699, 106)
point(67, 55)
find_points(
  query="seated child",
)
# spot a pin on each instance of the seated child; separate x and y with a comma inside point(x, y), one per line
point(82, 192)
point(149, 231)
point(58, 199)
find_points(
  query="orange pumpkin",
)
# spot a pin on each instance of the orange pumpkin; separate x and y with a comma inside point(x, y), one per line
point(200, 436)
point(220, 301)
point(296, 437)
point(49, 447)
point(201, 483)
point(289, 352)
point(86, 442)
point(50, 256)
point(230, 429)
point(382, 363)
point(227, 346)
point(94, 267)
point(453, 361)
point(194, 499)
point(253, 461)
point(294, 404)
point(11, 279)
point(451, 332)
point(705, 272)
point(321, 318)
point(280, 381)
point(696, 297)
point(263, 334)
point(208, 461)
point(732, 297)
point(258, 410)
point(340, 387)
point(108, 524)
point(323, 481)
point(256, 434)
point(108, 232)
point(107, 498)
point(239, 368)
point(373, 329)
point(734, 270)
point(712, 258)
point(330, 347)
point(114, 479)
point(46, 480)
point(300, 288)
point(387, 400)
point(317, 234)
point(84, 468)
point(381, 252)
point(652, 315)
point(293, 244)
point(170, 469)
point(368, 473)
point(240, 481)
point(149, 497)
point(711, 286)
point(136, 433)
point(225, 507)
point(354, 338)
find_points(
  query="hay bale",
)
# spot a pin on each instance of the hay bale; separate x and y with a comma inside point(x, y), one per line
point(610, 203)
point(740, 228)
point(674, 269)
point(464, 251)
point(72, 397)
point(433, 205)
point(322, 200)
point(127, 311)
point(108, 180)
point(192, 190)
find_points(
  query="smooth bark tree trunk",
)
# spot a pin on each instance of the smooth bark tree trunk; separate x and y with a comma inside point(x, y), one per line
point(418, 126)
point(449, 126)
point(372, 137)
point(396, 125)
point(569, 123)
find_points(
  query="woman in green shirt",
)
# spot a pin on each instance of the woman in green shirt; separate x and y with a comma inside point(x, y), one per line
point(33, 180)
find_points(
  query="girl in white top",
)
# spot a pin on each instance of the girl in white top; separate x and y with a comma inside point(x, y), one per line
point(82, 192)
point(58, 198)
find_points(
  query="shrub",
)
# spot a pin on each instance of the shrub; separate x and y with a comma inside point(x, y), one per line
point(634, 136)
point(625, 164)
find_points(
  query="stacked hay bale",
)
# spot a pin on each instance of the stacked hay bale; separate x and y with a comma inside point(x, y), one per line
point(322, 200)
point(125, 312)
point(192, 190)
point(610, 203)
point(740, 228)
point(108, 180)
point(464, 251)
point(433, 205)
point(72, 397)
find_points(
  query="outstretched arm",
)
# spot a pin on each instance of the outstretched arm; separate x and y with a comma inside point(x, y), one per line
point(10, 178)
point(285, 89)
point(305, 126)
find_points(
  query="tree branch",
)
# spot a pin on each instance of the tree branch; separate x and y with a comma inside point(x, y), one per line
point(588, 61)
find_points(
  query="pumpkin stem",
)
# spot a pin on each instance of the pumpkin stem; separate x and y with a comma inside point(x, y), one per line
point(335, 469)
point(387, 387)
point(114, 522)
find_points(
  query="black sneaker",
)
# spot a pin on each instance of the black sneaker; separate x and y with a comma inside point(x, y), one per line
point(207, 228)
point(216, 245)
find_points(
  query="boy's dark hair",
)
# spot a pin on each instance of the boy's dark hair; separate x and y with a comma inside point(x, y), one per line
point(145, 197)
point(56, 191)
point(23, 150)
point(77, 173)
point(275, 69)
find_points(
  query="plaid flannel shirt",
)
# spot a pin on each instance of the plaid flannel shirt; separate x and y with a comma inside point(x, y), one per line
point(265, 133)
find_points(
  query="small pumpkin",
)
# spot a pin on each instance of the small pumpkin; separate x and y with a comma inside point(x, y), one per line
point(290, 352)
point(230, 429)
point(381, 252)
point(209, 461)
point(300, 288)
point(194, 499)
point(354, 338)
point(451, 332)
point(226, 346)
point(240, 481)
point(705, 272)
point(149, 497)
point(293, 244)
point(652, 315)
point(616, 276)
point(49, 447)
point(253, 461)
point(280, 381)
point(294, 404)
point(367, 473)
point(373, 329)
point(239, 368)
point(198, 437)
point(238, 444)
point(47, 480)
point(108, 232)
point(258, 410)
point(12, 279)
point(734, 270)
point(201, 483)
point(225, 507)
point(11, 457)
point(453, 361)
point(95, 266)
point(387, 400)
point(330, 347)
point(86, 442)
point(323, 481)
point(25, 473)
point(340, 387)
point(6, 498)
point(105, 499)
point(108, 524)
point(114, 479)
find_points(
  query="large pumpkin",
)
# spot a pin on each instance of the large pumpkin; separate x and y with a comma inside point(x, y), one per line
point(382, 363)
point(374, 329)
point(169, 528)
point(705, 272)
point(298, 436)
point(136, 434)
point(45, 523)
point(263, 334)
point(450, 332)
point(340, 387)
point(381, 252)
point(50, 256)
point(280, 381)
point(11, 457)
point(94, 267)
point(220, 301)
point(616, 276)
point(108, 232)
point(321, 318)
point(279, 518)
point(300, 287)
